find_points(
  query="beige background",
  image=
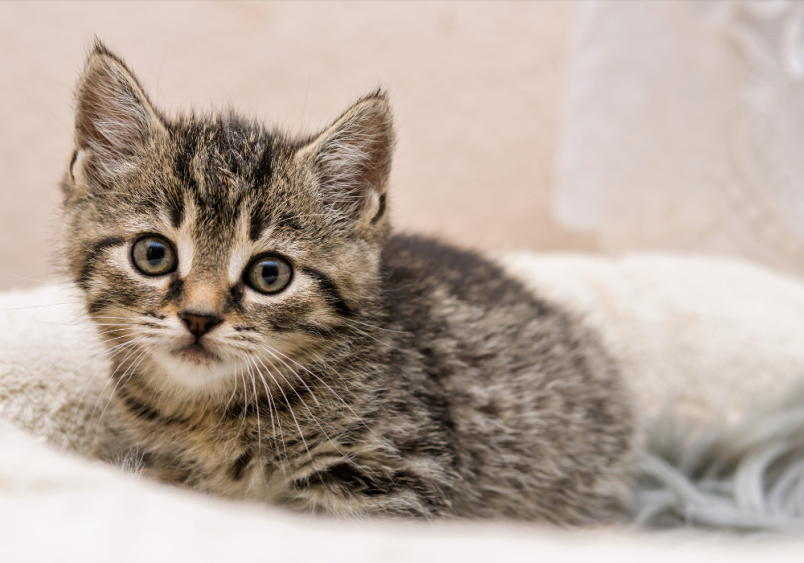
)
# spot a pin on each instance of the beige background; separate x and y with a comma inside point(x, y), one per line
point(476, 90)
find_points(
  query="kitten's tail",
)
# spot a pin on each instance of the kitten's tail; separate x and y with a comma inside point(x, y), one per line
point(745, 476)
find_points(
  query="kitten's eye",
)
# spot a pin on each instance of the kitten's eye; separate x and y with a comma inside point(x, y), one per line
point(268, 275)
point(153, 256)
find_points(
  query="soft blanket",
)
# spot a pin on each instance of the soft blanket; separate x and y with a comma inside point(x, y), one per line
point(711, 349)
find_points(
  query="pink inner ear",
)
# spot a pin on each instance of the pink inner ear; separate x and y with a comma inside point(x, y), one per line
point(112, 113)
point(354, 158)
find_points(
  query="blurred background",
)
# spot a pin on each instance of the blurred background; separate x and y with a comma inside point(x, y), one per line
point(590, 126)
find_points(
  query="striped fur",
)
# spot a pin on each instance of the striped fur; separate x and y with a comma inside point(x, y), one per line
point(393, 376)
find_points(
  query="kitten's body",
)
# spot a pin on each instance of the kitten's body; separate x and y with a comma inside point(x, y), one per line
point(392, 376)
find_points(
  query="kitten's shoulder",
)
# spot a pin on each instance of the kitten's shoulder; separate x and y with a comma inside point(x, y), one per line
point(416, 265)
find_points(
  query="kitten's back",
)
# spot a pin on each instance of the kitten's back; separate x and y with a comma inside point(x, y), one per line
point(540, 421)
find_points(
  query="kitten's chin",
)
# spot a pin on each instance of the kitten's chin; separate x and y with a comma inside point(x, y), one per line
point(196, 354)
point(194, 367)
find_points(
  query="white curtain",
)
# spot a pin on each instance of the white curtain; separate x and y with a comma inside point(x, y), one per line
point(684, 128)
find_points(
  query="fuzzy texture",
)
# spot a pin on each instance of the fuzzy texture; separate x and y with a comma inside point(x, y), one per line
point(393, 375)
point(94, 513)
point(746, 476)
point(711, 351)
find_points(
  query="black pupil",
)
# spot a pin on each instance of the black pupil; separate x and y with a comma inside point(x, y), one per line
point(269, 272)
point(155, 253)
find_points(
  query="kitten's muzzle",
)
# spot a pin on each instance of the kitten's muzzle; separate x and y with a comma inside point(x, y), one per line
point(199, 324)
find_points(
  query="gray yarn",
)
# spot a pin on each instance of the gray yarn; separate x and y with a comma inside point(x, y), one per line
point(747, 476)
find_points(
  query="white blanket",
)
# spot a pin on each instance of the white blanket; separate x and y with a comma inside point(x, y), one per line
point(703, 343)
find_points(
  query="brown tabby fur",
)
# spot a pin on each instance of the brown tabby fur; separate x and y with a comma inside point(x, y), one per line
point(393, 376)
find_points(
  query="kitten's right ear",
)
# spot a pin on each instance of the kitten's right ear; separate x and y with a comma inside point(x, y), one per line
point(113, 117)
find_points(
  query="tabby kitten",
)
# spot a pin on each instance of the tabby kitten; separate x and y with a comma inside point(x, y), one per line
point(272, 341)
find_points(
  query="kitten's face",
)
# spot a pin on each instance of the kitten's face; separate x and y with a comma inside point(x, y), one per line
point(209, 248)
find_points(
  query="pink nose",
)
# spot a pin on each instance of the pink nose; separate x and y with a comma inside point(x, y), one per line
point(199, 324)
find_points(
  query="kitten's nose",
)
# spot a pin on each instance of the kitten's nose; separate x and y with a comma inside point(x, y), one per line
point(199, 324)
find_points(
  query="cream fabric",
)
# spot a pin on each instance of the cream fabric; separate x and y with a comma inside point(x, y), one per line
point(718, 338)
point(55, 507)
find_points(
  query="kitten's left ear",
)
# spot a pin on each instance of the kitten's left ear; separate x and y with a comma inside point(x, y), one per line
point(352, 160)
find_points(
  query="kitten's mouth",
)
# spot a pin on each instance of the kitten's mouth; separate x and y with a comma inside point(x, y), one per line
point(197, 353)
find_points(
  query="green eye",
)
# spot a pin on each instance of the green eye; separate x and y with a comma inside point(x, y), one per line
point(153, 256)
point(268, 275)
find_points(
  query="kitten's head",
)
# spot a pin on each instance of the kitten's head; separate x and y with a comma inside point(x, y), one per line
point(207, 246)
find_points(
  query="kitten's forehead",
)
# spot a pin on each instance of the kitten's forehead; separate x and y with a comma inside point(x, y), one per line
point(227, 146)
point(230, 167)
point(231, 209)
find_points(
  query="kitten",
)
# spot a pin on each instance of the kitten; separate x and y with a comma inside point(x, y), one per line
point(271, 340)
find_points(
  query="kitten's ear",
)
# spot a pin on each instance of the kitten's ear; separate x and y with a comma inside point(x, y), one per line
point(352, 159)
point(113, 116)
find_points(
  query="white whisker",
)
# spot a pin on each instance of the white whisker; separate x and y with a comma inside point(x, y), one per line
point(271, 409)
point(108, 351)
point(325, 384)
point(290, 410)
point(111, 395)
point(257, 408)
point(310, 412)
point(226, 407)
